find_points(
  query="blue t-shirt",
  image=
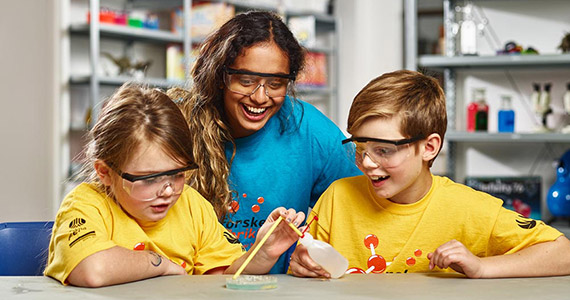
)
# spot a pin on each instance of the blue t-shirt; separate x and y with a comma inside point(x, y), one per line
point(290, 168)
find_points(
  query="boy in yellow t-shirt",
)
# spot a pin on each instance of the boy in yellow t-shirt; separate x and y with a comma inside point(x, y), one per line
point(399, 218)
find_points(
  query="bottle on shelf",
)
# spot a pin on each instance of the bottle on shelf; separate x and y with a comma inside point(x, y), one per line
point(506, 116)
point(471, 112)
point(535, 96)
point(477, 111)
point(543, 108)
point(566, 103)
point(325, 255)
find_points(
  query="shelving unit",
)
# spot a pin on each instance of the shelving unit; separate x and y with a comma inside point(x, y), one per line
point(451, 64)
point(98, 85)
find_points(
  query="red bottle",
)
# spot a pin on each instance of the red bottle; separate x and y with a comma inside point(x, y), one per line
point(471, 112)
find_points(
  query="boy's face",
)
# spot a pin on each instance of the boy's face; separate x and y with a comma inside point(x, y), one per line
point(393, 170)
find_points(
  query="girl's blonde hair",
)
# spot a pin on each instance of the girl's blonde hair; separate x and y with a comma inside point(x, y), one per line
point(132, 115)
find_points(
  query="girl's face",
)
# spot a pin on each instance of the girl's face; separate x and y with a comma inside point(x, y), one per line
point(248, 114)
point(394, 172)
point(148, 159)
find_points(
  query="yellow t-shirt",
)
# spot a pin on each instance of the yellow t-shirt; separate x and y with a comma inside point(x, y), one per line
point(377, 234)
point(190, 235)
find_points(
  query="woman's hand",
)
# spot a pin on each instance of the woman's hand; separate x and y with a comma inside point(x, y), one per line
point(283, 236)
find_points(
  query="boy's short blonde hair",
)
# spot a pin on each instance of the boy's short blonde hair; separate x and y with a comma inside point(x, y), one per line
point(417, 99)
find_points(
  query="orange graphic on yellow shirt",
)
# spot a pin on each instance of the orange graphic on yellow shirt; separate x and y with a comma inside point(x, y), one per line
point(376, 263)
point(139, 246)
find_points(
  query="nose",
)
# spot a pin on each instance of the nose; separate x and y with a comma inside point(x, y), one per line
point(368, 162)
point(167, 190)
point(259, 95)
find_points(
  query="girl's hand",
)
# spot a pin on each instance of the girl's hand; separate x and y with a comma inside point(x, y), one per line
point(283, 236)
point(303, 266)
point(173, 268)
point(455, 255)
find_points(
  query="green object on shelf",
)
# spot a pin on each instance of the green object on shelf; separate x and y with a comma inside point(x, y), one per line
point(135, 23)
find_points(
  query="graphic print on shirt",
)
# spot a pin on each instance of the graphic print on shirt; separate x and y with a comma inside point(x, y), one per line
point(246, 229)
point(376, 263)
point(77, 232)
point(525, 223)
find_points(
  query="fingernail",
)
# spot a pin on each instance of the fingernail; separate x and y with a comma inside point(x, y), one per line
point(296, 223)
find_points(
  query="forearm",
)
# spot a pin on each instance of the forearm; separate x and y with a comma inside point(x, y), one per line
point(544, 259)
point(117, 265)
point(260, 264)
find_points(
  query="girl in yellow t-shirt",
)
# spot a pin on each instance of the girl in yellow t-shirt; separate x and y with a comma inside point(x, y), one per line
point(134, 217)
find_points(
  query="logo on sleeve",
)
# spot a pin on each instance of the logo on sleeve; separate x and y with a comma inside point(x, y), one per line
point(77, 232)
point(231, 238)
point(526, 223)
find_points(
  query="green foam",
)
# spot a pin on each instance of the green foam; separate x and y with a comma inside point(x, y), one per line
point(252, 282)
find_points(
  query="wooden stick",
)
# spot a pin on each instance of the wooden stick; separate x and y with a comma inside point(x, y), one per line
point(250, 257)
point(295, 229)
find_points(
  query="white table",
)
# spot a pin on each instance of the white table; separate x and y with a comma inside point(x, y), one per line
point(377, 286)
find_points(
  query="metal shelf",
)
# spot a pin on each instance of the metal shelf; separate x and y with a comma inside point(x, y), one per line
point(139, 34)
point(320, 17)
point(485, 137)
point(314, 90)
point(499, 61)
point(119, 80)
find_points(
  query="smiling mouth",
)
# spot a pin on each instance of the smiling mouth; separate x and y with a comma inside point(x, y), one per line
point(378, 178)
point(254, 110)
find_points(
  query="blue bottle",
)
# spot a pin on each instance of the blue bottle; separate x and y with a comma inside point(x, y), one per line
point(506, 115)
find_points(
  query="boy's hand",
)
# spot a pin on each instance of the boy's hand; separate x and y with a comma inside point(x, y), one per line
point(455, 255)
point(303, 266)
point(283, 236)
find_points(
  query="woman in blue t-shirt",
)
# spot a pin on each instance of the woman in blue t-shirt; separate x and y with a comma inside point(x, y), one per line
point(256, 145)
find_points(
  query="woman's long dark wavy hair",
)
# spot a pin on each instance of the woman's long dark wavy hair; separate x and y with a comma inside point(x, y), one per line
point(204, 105)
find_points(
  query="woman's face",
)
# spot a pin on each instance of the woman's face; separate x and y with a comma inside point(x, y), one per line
point(248, 114)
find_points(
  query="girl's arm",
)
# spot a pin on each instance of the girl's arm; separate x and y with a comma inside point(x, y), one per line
point(119, 265)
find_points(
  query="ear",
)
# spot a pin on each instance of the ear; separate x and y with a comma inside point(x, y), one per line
point(103, 171)
point(431, 147)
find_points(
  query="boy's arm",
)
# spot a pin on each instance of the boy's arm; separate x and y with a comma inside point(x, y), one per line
point(119, 265)
point(543, 259)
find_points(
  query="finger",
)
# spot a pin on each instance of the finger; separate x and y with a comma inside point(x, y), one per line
point(299, 218)
point(299, 270)
point(290, 214)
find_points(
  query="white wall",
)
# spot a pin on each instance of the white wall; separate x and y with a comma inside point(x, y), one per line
point(28, 73)
point(371, 43)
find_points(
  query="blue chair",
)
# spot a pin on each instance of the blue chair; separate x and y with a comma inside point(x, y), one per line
point(24, 248)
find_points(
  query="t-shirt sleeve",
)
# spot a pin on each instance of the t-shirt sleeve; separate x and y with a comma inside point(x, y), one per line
point(217, 247)
point(329, 153)
point(320, 227)
point(79, 231)
point(513, 232)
